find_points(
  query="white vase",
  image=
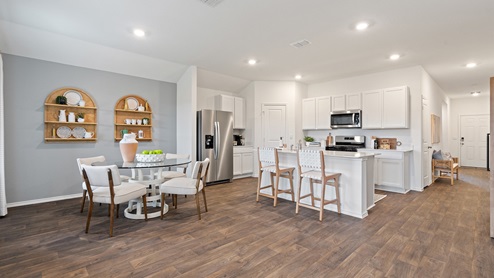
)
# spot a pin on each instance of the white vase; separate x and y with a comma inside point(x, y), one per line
point(128, 147)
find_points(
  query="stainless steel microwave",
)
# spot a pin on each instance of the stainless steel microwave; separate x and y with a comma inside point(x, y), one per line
point(346, 119)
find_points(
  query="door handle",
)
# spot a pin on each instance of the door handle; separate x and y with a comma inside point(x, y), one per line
point(429, 147)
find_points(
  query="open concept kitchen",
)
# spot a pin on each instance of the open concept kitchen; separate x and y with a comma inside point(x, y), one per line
point(219, 138)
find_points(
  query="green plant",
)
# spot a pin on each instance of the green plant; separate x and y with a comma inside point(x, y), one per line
point(61, 100)
point(80, 115)
point(308, 139)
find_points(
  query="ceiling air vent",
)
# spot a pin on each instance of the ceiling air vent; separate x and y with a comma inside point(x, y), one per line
point(211, 3)
point(300, 44)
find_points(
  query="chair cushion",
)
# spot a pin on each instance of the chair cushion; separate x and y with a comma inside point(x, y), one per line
point(123, 193)
point(180, 186)
point(172, 174)
point(317, 174)
point(124, 178)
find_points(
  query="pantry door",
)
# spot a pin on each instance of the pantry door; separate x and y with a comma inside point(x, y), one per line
point(273, 124)
point(473, 140)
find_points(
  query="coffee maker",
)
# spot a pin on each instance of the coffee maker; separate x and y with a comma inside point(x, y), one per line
point(238, 140)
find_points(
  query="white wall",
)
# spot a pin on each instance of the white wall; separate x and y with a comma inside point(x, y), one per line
point(464, 106)
point(186, 112)
point(411, 77)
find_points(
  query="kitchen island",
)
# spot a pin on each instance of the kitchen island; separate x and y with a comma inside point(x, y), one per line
point(356, 181)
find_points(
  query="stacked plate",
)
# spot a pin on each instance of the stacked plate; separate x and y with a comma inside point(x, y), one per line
point(66, 132)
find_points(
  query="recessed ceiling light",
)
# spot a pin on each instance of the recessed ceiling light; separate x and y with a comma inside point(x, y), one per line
point(252, 62)
point(471, 65)
point(394, 56)
point(361, 26)
point(298, 76)
point(139, 33)
point(476, 93)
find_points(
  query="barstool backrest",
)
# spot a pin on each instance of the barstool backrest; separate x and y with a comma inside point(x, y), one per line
point(267, 157)
point(310, 159)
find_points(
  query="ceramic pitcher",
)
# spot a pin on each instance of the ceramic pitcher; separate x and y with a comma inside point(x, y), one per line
point(61, 116)
point(128, 147)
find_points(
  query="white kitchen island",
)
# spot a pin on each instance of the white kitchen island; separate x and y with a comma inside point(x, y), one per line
point(356, 181)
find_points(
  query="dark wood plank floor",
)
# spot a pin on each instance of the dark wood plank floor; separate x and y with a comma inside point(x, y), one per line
point(441, 232)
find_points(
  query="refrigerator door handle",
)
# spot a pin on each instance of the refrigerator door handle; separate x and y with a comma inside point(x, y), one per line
point(218, 140)
point(216, 137)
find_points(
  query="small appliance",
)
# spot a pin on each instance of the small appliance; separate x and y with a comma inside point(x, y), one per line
point(237, 140)
point(347, 143)
point(346, 119)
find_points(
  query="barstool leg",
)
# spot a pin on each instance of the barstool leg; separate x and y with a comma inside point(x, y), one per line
point(298, 195)
point(276, 189)
point(312, 192)
point(259, 185)
point(323, 199)
point(337, 188)
point(290, 176)
point(271, 175)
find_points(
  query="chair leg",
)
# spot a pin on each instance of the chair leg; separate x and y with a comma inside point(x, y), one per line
point(162, 204)
point(145, 205)
point(271, 175)
point(298, 195)
point(337, 189)
point(198, 206)
point(311, 182)
point(204, 196)
point(175, 200)
point(90, 211)
point(259, 185)
point(323, 193)
point(112, 209)
point(276, 190)
point(118, 209)
point(83, 200)
point(292, 192)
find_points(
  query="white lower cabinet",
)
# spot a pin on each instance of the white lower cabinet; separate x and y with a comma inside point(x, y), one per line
point(392, 170)
point(243, 162)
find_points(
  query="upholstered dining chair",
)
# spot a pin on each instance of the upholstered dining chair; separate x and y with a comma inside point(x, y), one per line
point(188, 186)
point(90, 161)
point(104, 186)
point(311, 165)
point(181, 171)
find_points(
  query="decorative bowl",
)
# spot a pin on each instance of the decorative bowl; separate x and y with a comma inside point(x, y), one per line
point(150, 157)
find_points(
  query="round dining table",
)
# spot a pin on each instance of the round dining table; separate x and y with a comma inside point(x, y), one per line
point(150, 174)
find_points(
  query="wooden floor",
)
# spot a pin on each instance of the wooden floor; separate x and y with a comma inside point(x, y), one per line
point(441, 232)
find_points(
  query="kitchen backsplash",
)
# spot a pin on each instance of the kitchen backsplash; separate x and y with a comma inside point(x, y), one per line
point(402, 135)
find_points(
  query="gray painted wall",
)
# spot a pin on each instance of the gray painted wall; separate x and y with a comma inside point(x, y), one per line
point(35, 169)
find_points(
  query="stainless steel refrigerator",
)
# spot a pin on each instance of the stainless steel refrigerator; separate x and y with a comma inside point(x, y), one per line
point(215, 141)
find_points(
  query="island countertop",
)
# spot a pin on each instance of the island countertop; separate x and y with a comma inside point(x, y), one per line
point(337, 153)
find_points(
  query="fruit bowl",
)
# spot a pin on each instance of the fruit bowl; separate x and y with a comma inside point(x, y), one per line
point(150, 157)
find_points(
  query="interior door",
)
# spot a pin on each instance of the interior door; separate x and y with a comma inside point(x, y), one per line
point(473, 140)
point(273, 124)
point(426, 144)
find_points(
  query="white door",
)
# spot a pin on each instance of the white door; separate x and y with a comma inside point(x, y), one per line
point(273, 124)
point(473, 140)
point(426, 145)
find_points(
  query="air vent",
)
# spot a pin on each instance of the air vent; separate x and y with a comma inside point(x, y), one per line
point(300, 44)
point(211, 3)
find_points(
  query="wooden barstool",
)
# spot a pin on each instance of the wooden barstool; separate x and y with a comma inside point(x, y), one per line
point(311, 165)
point(268, 162)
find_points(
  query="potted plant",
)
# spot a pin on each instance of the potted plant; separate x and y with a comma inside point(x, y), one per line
point(61, 100)
point(80, 117)
point(308, 140)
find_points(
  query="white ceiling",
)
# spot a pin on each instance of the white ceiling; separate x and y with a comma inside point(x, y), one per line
point(442, 36)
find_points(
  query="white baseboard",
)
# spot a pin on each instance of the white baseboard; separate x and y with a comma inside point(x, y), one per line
point(44, 200)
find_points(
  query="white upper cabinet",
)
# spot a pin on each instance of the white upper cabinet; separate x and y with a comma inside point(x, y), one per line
point(354, 101)
point(385, 108)
point(372, 109)
point(238, 116)
point(395, 107)
point(308, 113)
point(232, 104)
point(339, 103)
point(346, 102)
point(315, 113)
